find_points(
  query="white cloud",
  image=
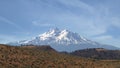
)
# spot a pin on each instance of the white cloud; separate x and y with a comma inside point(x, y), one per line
point(35, 23)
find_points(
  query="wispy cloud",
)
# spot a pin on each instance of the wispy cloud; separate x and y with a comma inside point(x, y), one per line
point(95, 21)
point(91, 25)
point(10, 22)
point(96, 24)
point(107, 39)
point(42, 24)
point(115, 21)
point(6, 38)
point(103, 37)
point(77, 3)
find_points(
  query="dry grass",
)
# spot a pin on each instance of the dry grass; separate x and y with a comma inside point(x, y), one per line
point(35, 57)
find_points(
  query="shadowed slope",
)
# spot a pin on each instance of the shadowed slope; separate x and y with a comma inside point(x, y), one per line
point(98, 53)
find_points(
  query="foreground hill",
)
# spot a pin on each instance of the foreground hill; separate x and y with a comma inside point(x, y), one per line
point(98, 53)
point(46, 57)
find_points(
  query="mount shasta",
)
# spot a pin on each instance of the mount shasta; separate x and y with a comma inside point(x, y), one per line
point(63, 40)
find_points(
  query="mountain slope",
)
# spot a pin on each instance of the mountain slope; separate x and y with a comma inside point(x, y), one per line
point(63, 40)
point(36, 57)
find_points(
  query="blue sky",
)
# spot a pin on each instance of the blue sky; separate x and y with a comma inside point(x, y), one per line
point(98, 20)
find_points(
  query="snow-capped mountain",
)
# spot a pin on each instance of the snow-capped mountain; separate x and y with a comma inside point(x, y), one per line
point(62, 40)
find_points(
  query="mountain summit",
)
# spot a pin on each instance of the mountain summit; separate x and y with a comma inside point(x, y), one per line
point(62, 40)
point(64, 37)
